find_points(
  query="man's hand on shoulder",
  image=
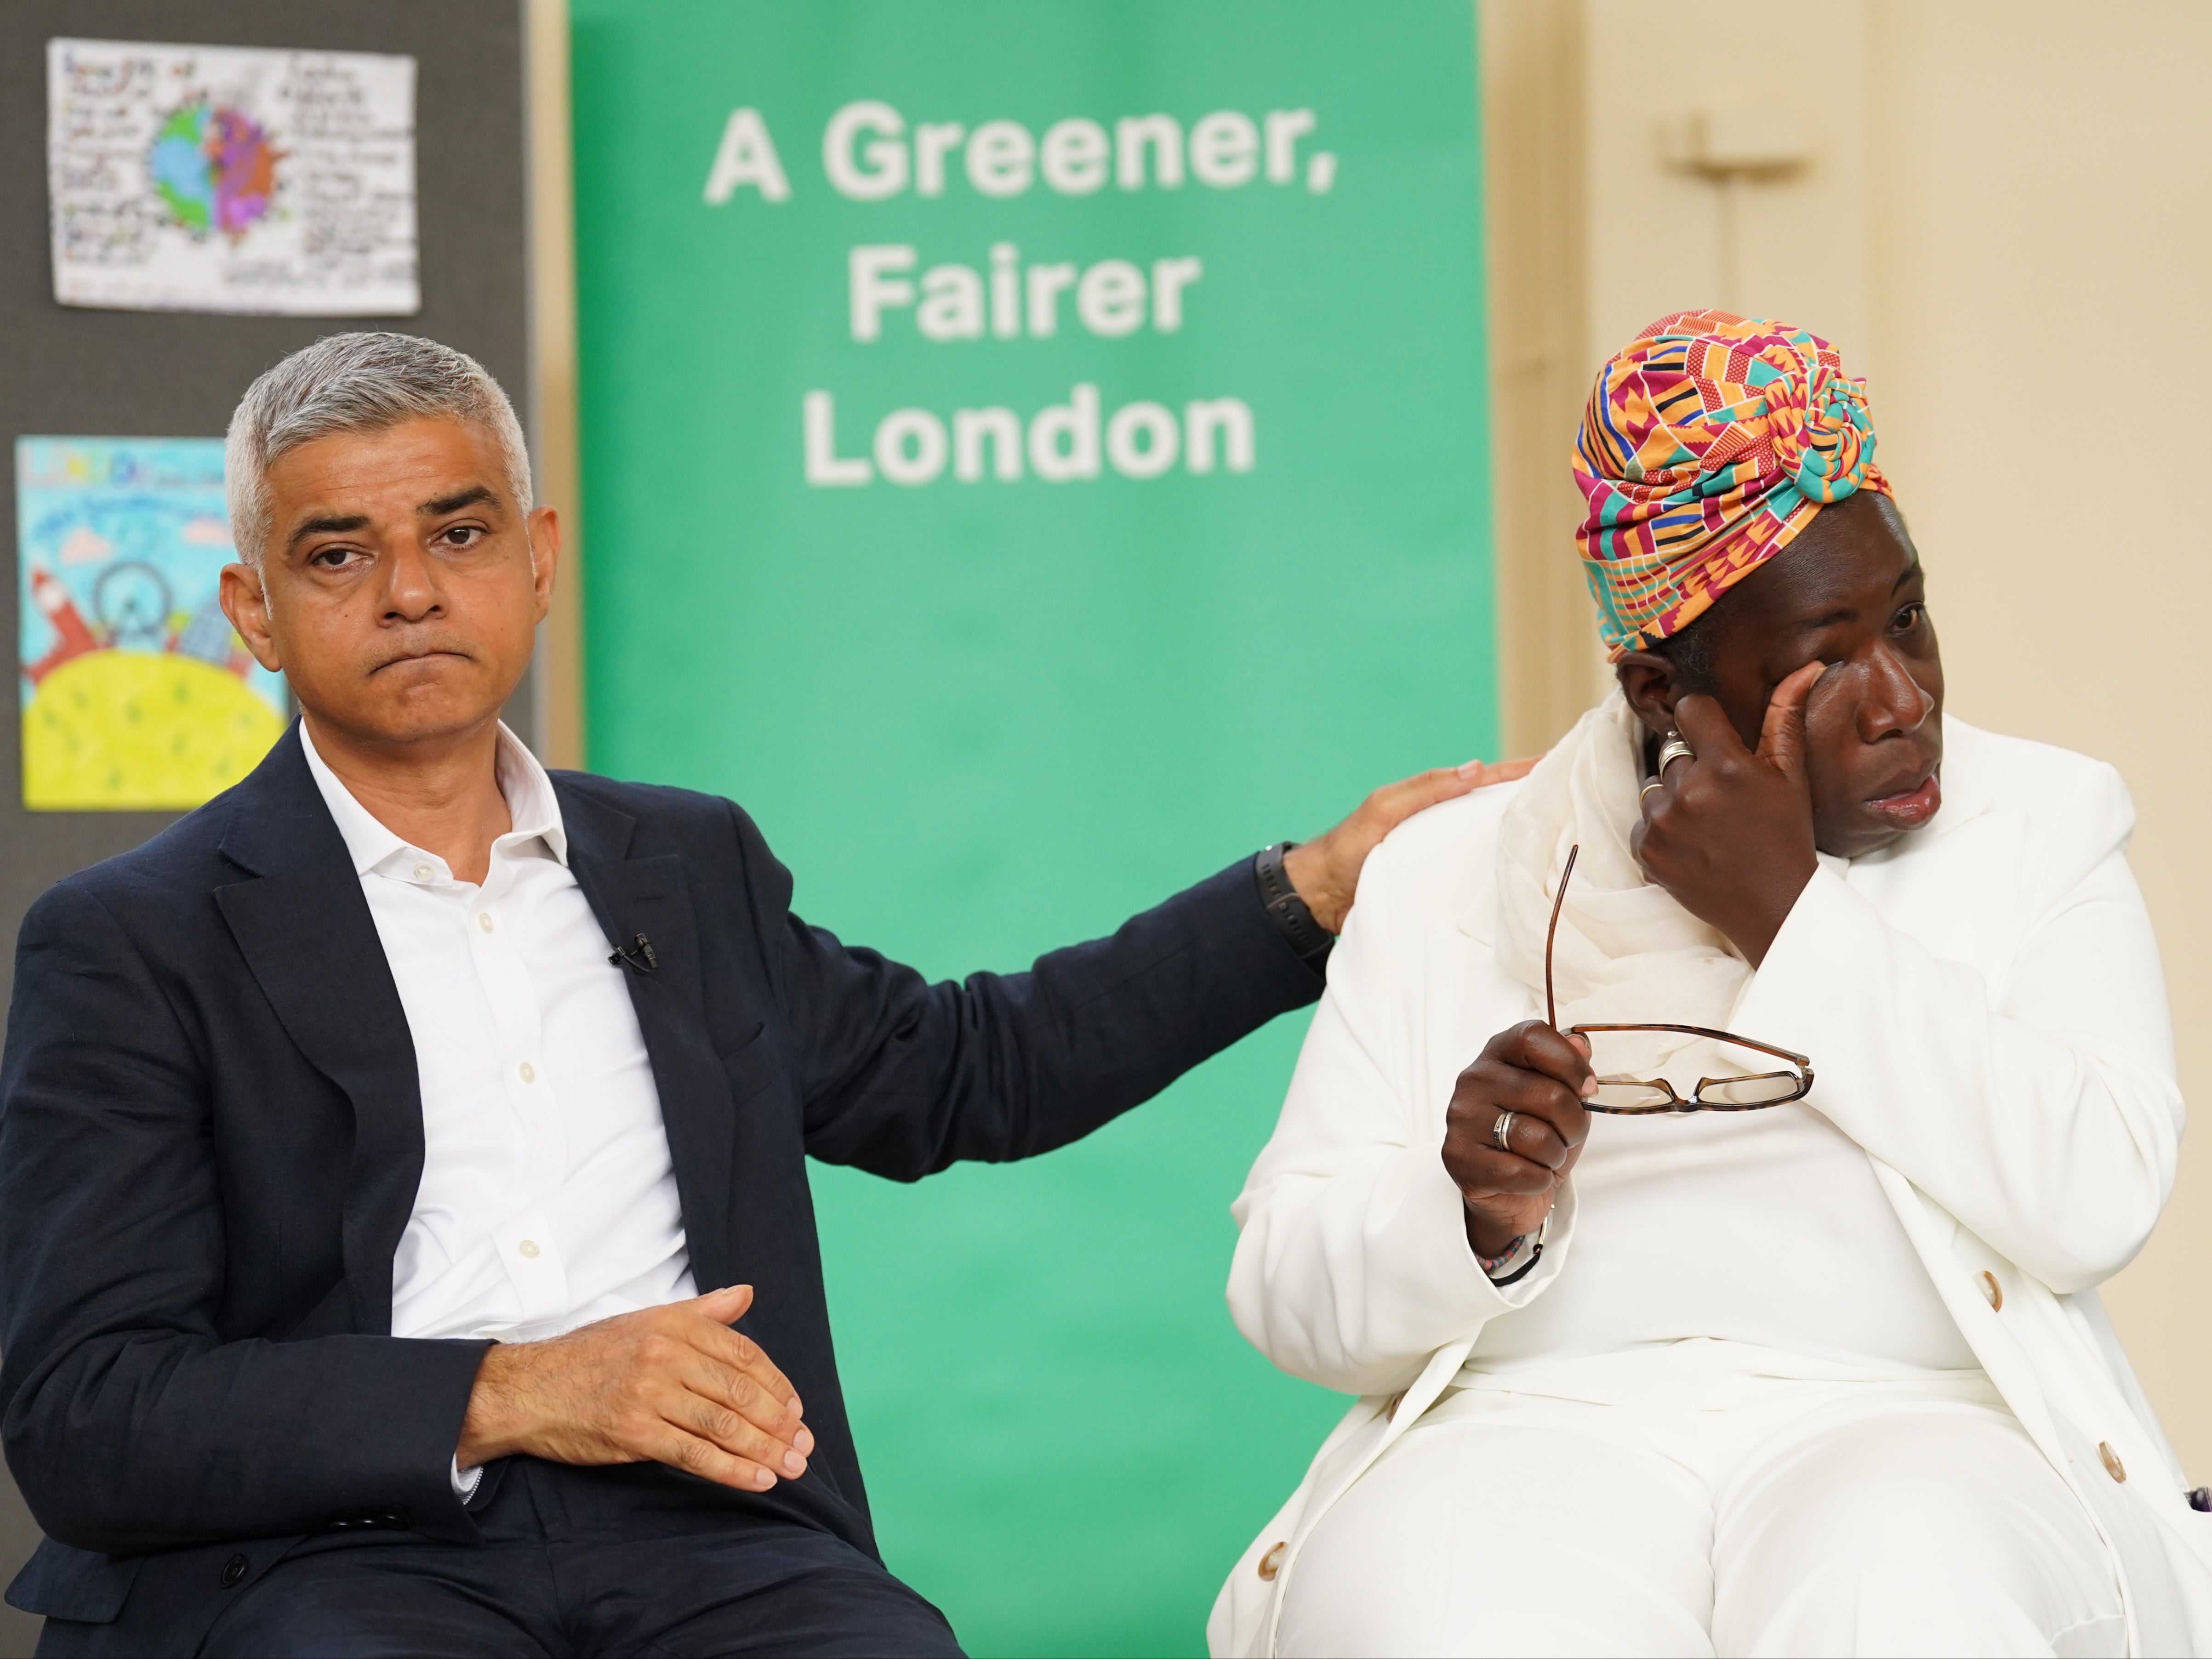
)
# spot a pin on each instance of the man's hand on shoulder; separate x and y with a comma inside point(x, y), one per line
point(1326, 870)
point(674, 1385)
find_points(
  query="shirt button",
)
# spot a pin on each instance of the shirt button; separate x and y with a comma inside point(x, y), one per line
point(2113, 1467)
point(1991, 1292)
point(484, 920)
point(1272, 1562)
point(526, 1072)
point(425, 872)
point(528, 1247)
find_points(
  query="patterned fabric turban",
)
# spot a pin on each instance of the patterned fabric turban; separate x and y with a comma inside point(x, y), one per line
point(1710, 442)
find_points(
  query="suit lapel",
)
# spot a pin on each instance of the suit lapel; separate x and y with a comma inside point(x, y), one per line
point(305, 930)
point(650, 895)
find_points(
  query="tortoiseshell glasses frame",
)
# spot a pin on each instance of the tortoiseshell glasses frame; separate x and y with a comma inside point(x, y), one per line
point(1639, 1096)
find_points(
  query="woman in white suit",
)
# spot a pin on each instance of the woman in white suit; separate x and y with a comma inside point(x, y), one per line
point(1776, 1334)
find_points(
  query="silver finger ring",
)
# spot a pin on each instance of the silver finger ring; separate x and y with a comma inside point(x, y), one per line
point(1674, 749)
point(1502, 1131)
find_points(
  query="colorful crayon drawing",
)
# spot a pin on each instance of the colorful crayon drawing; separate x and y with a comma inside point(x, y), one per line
point(213, 168)
point(136, 694)
point(251, 179)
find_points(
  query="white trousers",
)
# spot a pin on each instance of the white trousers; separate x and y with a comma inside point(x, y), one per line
point(1686, 1503)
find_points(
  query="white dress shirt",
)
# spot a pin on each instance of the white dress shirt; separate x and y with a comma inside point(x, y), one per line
point(548, 1198)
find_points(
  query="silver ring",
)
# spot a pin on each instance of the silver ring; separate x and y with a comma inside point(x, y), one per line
point(1502, 1131)
point(1674, 749)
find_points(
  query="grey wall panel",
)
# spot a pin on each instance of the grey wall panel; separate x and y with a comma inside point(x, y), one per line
point(152, 373)
point(64, 370)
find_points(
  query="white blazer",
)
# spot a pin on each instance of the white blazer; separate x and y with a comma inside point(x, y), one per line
point(1987, 1018)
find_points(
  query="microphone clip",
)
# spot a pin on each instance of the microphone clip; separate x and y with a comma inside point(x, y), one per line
point(637, 954)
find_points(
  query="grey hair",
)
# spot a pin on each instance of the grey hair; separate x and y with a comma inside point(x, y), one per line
point(356, 382)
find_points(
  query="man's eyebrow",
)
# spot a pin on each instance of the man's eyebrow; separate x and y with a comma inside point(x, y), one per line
point(334, 525)
point(455, 502)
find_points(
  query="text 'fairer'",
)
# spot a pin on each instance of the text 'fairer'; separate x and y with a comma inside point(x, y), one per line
point(1112, 298)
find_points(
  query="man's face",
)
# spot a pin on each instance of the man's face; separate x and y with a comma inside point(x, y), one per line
point(400, 587)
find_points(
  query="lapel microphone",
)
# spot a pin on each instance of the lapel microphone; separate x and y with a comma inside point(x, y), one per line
point(638, 954)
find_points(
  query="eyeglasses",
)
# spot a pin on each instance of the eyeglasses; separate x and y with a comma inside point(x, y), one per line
point(1628, 1096)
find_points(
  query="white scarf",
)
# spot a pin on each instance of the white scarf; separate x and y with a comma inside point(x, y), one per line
point(1627, 952)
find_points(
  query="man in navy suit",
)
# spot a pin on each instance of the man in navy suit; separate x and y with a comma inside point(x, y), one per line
point(404, 1235)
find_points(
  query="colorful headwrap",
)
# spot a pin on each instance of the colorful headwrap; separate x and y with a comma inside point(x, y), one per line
point(1709, 443)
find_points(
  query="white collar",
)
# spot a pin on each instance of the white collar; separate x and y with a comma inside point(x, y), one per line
point(532, 805)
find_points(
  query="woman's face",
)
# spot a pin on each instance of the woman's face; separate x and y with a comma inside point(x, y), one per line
point(1847, 592)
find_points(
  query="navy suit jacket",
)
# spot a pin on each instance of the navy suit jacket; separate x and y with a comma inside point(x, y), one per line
point(211, 1135)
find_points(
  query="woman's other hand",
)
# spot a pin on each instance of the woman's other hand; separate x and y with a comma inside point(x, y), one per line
point(1543, 1078)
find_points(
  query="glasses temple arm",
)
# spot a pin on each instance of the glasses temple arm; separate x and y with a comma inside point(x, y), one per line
point(1551, 1003)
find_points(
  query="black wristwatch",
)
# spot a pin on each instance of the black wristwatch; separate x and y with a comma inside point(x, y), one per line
point(1290, 913)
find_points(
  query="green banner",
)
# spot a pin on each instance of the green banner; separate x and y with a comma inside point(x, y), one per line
point(1035, 454)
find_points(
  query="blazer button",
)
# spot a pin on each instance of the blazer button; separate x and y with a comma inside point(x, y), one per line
point(1272, 1562)
point(233, 1570)
point(2113, 1467)
point(1992, 1292)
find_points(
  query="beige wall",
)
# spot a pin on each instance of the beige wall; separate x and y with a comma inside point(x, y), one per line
point(553, 415)
point(2002, 213)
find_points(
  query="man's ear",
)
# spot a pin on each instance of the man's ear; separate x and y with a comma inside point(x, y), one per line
point(543, 528)
point(1647, 680)
point(246, 601)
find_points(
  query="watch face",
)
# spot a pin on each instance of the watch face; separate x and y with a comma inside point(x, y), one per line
point(132, 602)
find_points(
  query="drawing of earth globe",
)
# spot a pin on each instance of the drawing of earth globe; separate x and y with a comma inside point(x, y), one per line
point(213, 168)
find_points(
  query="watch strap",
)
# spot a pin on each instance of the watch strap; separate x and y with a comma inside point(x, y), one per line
point(1291, 916)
